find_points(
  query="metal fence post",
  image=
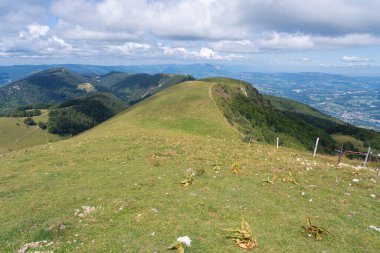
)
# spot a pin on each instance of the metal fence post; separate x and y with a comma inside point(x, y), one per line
point(366, 158)
point(316, 147)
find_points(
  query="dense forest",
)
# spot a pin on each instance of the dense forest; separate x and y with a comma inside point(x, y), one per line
point(370, 138)
point(77, 115)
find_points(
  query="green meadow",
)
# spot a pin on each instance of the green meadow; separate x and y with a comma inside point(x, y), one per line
point(15, 135)
point(116, 187)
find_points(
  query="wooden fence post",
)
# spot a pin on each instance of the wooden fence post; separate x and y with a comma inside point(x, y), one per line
point(340, 154)
point(278, 141)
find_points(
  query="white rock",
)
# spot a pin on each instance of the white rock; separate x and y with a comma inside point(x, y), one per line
point(375, 228)
point(355, 180)
point(373, 195)
point(185, 240)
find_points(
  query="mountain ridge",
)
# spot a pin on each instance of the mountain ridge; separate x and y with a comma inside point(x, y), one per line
point(54, 86)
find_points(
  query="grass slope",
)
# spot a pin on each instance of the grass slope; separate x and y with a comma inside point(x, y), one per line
point(15, 135)
point(130, 168)
point(181, 108)
point(134, 87)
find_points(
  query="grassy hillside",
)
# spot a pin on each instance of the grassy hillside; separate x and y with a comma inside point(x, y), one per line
point(342, 132)
point(116, 188)
point(15, 135)
point(259, 120)
point(185, 109)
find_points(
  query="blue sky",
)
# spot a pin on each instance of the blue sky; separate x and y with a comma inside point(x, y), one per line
point(273, 35)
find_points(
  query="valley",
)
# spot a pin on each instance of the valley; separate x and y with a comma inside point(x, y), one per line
point(354, 100)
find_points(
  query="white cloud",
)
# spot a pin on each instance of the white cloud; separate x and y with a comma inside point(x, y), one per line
point(237, 46)
point(202, 53)
point(36, 42)
point(184, 19)
point(34, 31)
point(79, 33)
point(299, 41)
point(354, 59)
point(208, 53)
point(175, 51)
point(187, 29)
point(223, 19)
point(277, 40)
point(130, 48)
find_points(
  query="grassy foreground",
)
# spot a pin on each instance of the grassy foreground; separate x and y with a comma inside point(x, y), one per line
point(126, 174)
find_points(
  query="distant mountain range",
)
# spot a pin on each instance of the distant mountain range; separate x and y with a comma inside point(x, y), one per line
point(355, 100)
point(13, 73)
point(58, 85)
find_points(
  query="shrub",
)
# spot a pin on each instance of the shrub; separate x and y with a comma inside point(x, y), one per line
point(42, 125)
point(29, 121)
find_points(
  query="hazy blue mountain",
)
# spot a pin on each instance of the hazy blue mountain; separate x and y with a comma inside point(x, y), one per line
point(13, 73)
point(352, 99)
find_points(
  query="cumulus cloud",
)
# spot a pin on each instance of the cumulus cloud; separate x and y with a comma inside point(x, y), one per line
point(324, 17)
point(354, 59)
point(184, 19)
point(36, 42)
point(223, 19)
point(34, 31)
point(277, 40)
point(130, 48)
point(185, 29)
point(203, 53)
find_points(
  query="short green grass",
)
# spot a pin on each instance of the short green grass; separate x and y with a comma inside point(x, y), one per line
point(15, 135)
point(131, 166)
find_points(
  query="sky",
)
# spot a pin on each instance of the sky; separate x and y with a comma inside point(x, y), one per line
point(273, 35)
